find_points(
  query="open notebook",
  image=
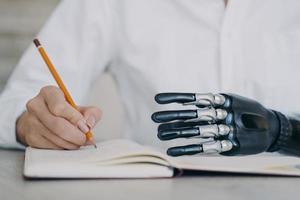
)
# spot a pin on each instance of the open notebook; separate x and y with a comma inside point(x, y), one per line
point(126, 159)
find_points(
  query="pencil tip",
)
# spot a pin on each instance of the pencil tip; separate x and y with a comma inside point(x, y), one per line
point(95, 146)
point(36, 42)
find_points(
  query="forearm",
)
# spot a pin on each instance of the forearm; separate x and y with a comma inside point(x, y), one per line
point(288, 140)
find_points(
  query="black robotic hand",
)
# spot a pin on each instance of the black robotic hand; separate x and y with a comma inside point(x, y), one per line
point(235, 125)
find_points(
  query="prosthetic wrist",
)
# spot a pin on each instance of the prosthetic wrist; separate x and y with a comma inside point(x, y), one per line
point(233, 125)
point(288, 140)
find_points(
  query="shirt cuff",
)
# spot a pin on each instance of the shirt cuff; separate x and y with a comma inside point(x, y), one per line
point(8, 118)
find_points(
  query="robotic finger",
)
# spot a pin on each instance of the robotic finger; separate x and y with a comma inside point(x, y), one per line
point(204, 131)
point(170, 134)
point(198, 99)
point(217, 146)
point(167, 116)
point(205, 114)
point(179, 124)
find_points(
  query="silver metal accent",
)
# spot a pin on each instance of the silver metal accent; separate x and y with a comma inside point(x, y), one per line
point(224, 129)
point(209, 114)
point(213, 130)
point(208, 130)
point(226, 145)
point(207, 99)
point(219, 99)
point(217, 146)
point(221, 114)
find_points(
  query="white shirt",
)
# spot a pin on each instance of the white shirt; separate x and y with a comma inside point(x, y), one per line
point(251, 48)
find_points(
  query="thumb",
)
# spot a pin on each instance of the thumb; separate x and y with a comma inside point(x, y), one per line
point(91, 114)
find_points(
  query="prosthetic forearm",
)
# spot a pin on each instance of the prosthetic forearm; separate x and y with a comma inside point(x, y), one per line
point(233, 125)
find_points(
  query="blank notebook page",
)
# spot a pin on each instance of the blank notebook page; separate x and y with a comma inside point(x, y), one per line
point(91, 162)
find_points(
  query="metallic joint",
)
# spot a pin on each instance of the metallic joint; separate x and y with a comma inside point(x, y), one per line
point(207, 99)
point(209, 114)
point(213, 130)
point(217, 146)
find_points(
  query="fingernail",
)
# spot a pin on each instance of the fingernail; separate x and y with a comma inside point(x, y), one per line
point(82, 126)
point(91, 122)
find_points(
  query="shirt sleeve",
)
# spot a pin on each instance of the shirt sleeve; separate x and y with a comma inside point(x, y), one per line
point(78, 40)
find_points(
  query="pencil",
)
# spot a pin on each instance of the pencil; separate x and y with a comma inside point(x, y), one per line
point(61, 85)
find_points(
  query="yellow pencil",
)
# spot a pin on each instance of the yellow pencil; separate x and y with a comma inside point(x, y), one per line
point(61, 85)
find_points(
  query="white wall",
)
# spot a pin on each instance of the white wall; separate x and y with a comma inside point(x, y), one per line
point(20, 20)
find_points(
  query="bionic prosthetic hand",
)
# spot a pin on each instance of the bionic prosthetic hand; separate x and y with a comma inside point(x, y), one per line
point(233, 125)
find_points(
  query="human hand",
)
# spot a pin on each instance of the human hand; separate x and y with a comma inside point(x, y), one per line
point(50, 122)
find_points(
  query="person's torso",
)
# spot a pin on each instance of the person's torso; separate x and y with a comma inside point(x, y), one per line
point(251, 48)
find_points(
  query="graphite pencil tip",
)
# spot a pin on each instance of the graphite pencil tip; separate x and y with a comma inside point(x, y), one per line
point(93, 143)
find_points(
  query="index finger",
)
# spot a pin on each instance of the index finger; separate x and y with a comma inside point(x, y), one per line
point(57, 125)
point(58, 105)
point(165, 98)
point(198, 99)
